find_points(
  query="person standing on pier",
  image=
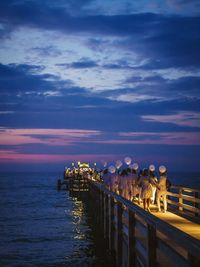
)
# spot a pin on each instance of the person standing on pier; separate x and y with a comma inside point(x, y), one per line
point(135, 189)
point(153, 180)
point(129, 181)
point(113, 179)
point(146, 189)
point(162, 188)
point(123, 184)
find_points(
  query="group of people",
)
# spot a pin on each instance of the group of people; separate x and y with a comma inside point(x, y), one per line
point(142, 186)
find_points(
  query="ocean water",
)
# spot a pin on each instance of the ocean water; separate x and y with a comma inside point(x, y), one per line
point(187, 179)
point(40, 226)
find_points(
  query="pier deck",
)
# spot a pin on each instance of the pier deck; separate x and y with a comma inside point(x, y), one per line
point(138, 238)
point(177, 221)
point(145, 239)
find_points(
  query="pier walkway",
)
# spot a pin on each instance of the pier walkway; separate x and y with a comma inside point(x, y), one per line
point(138, 238)
point(185, 225)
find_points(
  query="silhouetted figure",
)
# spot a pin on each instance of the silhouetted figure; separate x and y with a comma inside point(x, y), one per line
point(162, 188)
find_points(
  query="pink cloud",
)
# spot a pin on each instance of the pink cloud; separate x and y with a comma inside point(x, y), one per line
point(12, 156)
point(52, 137)
point(167, 138)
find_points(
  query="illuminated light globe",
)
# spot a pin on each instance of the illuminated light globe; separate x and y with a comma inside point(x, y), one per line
point(162, 169)
point(135, 166)
point(127, 160)
point(152, 168)
point(112, 169)
point(118, 164)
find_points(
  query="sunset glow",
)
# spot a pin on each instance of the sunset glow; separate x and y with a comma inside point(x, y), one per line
point(88, 80)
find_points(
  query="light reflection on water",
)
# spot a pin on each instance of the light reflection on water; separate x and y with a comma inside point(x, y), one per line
point(43, 227)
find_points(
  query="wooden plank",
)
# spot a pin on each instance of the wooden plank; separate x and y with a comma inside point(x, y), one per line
point(196, 203)
point(186, 197)
point(112, 224)
point(139, 248)
point(188, 189)
point(125, 217)
point(119, 233)
point(171, 253)
point(131, 239)
point(107, 218)
point(184, 206)
point(151, 246)
point(102, 209)
point(141, 228)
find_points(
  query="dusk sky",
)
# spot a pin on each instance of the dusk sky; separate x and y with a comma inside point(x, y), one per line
point(98, 80)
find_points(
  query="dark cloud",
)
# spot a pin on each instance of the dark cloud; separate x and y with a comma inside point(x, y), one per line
point(84, 63)
point(187, 84)
point(165, 40)
point(23, 78)
point(98, 44)
point(47, 51)
point(43, 15)
point(154, 79)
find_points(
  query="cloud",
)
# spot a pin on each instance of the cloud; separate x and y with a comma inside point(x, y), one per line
point(50, 137)
point(47, 51)
point(134, 98)
point(157, 88)
point(166, 138)
point(184, 118)
point(21, 78)
point(11, 156)
point(83, 63)
point(146, 34)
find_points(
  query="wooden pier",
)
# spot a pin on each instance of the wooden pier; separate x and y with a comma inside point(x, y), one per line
point(135, 237)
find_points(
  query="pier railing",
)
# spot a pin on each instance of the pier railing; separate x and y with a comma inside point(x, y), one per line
point(184, 200)
point(138, 238)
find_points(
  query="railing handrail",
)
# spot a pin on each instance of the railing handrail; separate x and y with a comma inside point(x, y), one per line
point(184, 188)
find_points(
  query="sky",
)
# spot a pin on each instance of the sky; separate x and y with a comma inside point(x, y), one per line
point(99, 80)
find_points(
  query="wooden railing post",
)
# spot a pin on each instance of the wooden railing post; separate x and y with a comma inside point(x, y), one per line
point(100, 205)
point(106, 215)
point(180, 200)
point(131, 239)
point(119, 233)
point(151, 246)
point(196, 205)
point(112, 223)
point(102, 210)
point(95, 193)
point(112, 230)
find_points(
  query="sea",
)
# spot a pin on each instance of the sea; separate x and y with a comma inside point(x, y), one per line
point(40, 226)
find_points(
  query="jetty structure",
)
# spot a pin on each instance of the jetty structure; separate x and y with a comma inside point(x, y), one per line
point(133, 236)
